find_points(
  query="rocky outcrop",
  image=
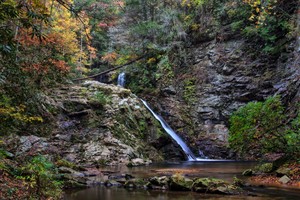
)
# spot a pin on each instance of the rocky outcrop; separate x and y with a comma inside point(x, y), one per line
point(178, 182)
point(220, 77)
point(95, 124)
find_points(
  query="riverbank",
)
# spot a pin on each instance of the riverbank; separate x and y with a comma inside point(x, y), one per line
point(147, 178)
point(287, 176)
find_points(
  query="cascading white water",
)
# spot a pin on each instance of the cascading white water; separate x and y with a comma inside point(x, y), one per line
point(166, 127)
point(121, 79)
point(169, 130)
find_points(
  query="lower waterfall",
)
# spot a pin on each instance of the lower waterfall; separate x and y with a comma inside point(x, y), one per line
point(189, 154)
point(169, 130)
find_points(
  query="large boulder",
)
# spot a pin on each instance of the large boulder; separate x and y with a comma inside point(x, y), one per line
point(178, 182)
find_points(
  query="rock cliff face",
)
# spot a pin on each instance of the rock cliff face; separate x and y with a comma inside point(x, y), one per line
point(219, 78)
point(95, 124)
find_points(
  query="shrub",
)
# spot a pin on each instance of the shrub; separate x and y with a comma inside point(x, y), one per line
point(40, 176)
point(12, 117)
point(257, 127)
point(292, 137)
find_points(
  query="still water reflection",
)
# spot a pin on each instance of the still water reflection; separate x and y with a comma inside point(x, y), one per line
point(224, 170)
point(103, 193)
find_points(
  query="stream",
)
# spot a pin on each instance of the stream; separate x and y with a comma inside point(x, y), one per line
point(224, 170)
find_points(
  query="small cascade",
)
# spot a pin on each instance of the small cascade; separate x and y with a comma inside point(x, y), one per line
point(169, 130)
point(121, 79)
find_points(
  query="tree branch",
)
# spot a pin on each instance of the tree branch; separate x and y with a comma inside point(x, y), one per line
point(112, 69)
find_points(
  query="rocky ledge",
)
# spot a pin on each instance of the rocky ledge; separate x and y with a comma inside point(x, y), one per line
point(93, 124)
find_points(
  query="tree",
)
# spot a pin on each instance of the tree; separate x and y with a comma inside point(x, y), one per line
point(39, 44)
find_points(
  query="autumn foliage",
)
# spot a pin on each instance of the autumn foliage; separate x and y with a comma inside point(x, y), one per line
point(41, 43)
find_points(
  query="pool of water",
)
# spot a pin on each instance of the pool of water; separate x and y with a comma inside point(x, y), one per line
point(218, 169)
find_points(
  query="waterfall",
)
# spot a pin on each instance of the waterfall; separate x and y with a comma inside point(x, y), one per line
point(121, 79)
point(169, 130)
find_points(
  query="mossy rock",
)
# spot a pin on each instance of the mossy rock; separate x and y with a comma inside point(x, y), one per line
point(248, 172)
point(214, 186)
point(138, 182)
point(204, 183)
point(238, 182)
point(159, 181)
point(110, 183)
point(180, 183)
point(65, 163)
point(130, 184)
point(70, 181)
point(283, 171)
point(264, 168)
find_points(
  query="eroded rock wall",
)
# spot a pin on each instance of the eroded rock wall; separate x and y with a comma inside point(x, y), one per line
point(222, 77)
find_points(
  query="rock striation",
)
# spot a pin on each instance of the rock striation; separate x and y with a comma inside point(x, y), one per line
point(218, 78)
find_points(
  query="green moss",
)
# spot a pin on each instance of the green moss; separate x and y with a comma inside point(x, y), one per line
point(83, 91)
point(142, 126)
point(124, 93)
point(65, 163)
point(102, 162)
point(264, 168)
point(101, 98)
point(180, 183)
point(74, 106)
point(189, 90)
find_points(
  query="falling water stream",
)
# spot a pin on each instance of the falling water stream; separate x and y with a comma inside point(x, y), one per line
point(121, 79)
point(189, 154)
point(169, 130)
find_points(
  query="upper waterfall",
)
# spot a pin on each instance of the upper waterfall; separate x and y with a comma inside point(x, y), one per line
point(121, 79)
